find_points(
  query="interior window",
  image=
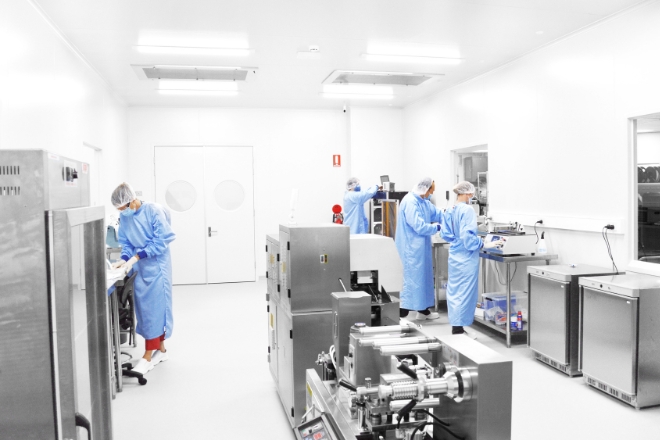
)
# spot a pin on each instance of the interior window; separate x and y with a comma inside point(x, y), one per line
point(647, 133)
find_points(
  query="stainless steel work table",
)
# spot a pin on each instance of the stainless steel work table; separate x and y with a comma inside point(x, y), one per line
point(508, 260)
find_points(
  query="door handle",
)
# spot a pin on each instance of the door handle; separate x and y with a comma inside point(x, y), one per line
point(212, 231)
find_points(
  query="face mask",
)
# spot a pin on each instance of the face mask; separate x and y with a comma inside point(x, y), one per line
point(128, 212)
point(357, 188)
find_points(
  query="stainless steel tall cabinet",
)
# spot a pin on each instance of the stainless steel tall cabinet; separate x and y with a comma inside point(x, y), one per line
point(619, 343)
point(553, 332)
point(54, 344)
point(312, 261)
point(272, 297)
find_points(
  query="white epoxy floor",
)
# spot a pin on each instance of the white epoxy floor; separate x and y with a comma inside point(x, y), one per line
point(217, 383)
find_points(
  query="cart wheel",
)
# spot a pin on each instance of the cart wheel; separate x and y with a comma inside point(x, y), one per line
point(142, 381)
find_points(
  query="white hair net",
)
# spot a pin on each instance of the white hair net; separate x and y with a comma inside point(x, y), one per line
point(352, 183)
point(122, 195)
point(423, 186)
point(464, 188)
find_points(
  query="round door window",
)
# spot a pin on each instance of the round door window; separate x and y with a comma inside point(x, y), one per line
point(180, 196)
point(229, 195)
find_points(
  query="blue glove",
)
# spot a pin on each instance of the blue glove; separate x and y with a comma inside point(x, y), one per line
point(439, 226)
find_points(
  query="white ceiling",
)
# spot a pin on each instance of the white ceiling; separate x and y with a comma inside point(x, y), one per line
point(485, 34)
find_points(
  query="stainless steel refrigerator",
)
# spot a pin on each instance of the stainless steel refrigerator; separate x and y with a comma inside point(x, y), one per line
point(553, 322)
point(54, 346)
point(619, 343)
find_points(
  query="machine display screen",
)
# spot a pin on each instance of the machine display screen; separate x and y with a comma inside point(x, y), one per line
point(317, 431)
point(495, 238)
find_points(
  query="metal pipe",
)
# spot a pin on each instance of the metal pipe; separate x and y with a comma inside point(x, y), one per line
point(436, 386)
point(402, 341)
point(407, 349)
point(369, 342)
point(362, 417)
point(367, 391)
point(384, 329)
point(396, 405)
point(342, 285)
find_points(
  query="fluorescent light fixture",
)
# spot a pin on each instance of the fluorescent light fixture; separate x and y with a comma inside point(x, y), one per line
point(357, 89)
point(202, 85)
point(347, 96)
point(206, 51)
point(199, 92)
point(411, 59)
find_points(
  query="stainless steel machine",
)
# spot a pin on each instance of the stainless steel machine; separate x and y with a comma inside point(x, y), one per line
point(514, 244)
point(55, 369)
point(411, 383)
point(304, 316)
point(619, 343)
point(313, 262)
point(553, 321)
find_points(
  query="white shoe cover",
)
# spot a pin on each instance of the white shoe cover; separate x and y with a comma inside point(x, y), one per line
point(158, 356)
point(143, 366)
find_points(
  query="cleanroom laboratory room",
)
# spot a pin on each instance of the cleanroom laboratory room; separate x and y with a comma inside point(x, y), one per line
point(341, 220)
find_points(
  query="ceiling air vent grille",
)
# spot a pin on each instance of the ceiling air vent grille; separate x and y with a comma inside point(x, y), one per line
point(381, 78)
point(194, 72)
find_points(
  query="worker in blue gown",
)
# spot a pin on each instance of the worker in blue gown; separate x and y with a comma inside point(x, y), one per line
point(417, 221)
point(354, 200)
point(460, 230)
point(145, 234)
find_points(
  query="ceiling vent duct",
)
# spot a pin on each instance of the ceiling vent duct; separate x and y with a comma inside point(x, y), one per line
point(382, 78)
point(209, 73)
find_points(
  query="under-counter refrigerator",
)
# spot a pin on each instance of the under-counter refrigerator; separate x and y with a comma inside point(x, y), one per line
point(620, 336)
point(553, 321)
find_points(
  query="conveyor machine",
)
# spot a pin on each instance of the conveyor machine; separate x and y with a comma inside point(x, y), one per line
point(411, 385)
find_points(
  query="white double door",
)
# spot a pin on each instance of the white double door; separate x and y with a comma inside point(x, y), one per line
point(209, 192)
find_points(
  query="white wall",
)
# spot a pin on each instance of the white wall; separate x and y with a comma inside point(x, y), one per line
point(556, 124)
point(50, 99)
point(292, 149)
point(376, 137)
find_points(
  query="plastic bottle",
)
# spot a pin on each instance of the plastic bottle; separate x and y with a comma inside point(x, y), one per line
point(541, 247)
point(519, 320)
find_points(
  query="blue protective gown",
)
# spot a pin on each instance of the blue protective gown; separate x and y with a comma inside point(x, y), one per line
point(413, 241)
point(149, 232)
point(460, 229)
point(354, 209)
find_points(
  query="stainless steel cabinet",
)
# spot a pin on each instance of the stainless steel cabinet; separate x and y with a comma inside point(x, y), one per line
point(313, 259)
point(609, 332)
point(273, 346)
point(301, 337)
point(273, 266)
point(550, 318)
point(553, 324)
point(54, 339)
point(620, 348)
